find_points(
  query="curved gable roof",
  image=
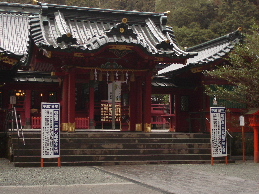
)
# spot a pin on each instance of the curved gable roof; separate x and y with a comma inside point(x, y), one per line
point(83, 29)
point(208, 52)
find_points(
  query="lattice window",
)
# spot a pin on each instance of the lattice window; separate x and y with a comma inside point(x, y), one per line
point(184, 103)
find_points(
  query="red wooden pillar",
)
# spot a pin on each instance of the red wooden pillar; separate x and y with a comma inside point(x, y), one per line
point(254, 122)
point(139, 104)
point(91, 106)
point(28, 109)
point(133, 106)
point(256, 145)
point(71, 101)
point(64, 105)
point(178, 119)
point(147, 102)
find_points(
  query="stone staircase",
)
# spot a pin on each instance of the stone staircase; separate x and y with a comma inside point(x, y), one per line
point(114, 148)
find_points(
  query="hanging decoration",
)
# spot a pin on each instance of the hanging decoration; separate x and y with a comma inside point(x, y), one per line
point(132, 77)
point(100, 77)
point(117, 76)
point(127, 77)
point(112, 76)
point(95, 74)
point(122, 77)
point(107, 77)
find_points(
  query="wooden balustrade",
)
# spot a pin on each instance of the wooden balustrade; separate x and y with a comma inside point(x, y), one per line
point(81, 123)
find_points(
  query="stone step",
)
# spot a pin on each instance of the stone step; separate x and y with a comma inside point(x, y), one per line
point(107, 163)
point(121, 135)
point(95, 148)
point(136, 157)
point(120, 146)
point(76, 158)
point(53, 163)
point(120, 140)
point(85, 152)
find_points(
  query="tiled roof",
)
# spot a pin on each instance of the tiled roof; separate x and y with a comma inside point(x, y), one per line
point(71, 28)
point(84, 29)
point(208, 52)
point(14, 33)
point(15, 29)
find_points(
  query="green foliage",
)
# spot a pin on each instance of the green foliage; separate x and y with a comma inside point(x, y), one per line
point(194, 22)
point(234, 14)
point(193, 35)
point(242, 72)
point(139, 5)
point(198, 21)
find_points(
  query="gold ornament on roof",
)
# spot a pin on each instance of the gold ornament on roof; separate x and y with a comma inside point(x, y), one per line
point(122, 30)
point(124, 20)
point(35, 2)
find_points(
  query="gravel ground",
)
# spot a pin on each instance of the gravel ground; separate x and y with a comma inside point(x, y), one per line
point(238, 178)
point(15, 176)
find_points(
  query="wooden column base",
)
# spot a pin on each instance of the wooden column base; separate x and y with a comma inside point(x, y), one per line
point(147, 127)
point(71, 127)
point(64, 127)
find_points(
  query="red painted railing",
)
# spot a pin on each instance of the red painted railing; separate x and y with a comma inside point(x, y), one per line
point(36, 122)
point(81, 123)
point(157, 110)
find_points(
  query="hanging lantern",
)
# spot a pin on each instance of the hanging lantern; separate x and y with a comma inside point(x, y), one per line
point(122, 77)
point(91, 75)
point(112, 77)
point(132, 77)
point(100, 77)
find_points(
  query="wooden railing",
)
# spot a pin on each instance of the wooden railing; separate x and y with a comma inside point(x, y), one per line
point(81, 123)
point(157, 110)
point(36, 122)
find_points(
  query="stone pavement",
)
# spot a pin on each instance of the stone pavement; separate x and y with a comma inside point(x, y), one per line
point(235, 178)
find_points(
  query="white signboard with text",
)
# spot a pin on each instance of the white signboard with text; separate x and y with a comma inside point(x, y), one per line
point(218, 131)
point(50, 130)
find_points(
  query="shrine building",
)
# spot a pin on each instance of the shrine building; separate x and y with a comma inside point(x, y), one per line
point(110, 70)
point(88, 59)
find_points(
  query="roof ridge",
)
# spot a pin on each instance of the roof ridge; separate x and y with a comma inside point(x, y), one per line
point(101, 9)
point(228, 37)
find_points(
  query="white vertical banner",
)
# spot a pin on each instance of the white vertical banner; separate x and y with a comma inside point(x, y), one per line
point(50, 130)
point(242, 121)
point(117, 85)
point(218, 131)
